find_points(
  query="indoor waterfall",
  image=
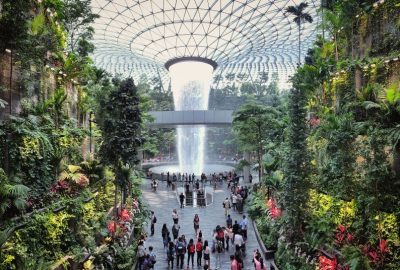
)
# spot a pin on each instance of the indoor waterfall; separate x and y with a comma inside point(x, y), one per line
point(190, 82)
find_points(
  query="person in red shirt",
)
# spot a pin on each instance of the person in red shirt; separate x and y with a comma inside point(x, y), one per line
point(199, 251)
point(191, 248)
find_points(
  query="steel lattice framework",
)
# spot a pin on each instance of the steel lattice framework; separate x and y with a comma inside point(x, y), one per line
point(248, 37)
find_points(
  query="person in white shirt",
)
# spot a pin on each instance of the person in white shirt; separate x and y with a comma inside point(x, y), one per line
point(238, 240)
point(175, 216)
point(234, 201)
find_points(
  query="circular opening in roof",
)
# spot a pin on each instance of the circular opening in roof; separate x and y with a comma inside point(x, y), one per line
point(169, 63)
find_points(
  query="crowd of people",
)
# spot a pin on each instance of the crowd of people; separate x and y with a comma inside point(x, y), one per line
point(182, 251)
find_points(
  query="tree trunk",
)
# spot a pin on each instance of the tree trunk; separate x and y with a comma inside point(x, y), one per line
point(116, 200)
point(396, 159)
point(336, 49)
point(299, 45)
point(259, 164)
point(358, 78)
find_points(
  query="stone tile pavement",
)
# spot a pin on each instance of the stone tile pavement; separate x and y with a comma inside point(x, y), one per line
point(163, 201)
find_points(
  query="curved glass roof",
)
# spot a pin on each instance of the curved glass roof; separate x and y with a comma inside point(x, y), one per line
point(242, 36)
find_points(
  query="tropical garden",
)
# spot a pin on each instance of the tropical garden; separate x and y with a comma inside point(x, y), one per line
point(329, 161)
point(69, 178)
point(327, 152)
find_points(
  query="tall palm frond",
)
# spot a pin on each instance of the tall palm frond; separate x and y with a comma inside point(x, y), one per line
point(298, 12)
point(299, 17)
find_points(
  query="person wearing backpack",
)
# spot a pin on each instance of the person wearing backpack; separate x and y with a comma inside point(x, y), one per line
point(152, 257)
point(199, 251)
point(226, 205)
point(175, 230)
point(153, 221)
point(180, 251)
point(220, 236)
point(191, 250)
point(146, 263)
point(219, 249)
point(170, 254)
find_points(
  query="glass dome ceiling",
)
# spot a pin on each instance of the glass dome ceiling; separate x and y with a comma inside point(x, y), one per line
point(241, 36)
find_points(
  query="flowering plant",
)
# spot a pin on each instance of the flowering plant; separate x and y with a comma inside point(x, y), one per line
point(274, 211)
point(326, 263)
point(111, 227)
point(125, 215)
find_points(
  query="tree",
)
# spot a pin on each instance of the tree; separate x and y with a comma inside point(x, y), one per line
point(295, 165)
point(333, 23)
point(121, 128)
point(77, 17)
point(254, 126)
point(13, 23)
point(300, 16)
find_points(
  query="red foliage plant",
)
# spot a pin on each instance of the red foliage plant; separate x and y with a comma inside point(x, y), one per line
point(59, 186)
point(376, 255)
point(326, 263)
point(343, 236)
point(274, 211)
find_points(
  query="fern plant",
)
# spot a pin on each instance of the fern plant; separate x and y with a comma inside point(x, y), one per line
point(11, 195)
point(73, 174)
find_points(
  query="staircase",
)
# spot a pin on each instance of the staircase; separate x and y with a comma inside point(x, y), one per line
point(189, 198)
point(201, 201)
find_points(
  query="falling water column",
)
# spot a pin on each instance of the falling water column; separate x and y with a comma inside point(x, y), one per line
point(190, 82)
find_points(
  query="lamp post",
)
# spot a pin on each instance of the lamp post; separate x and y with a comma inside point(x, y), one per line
point(11, 75)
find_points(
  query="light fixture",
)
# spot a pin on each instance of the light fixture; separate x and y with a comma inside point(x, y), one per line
point(8, 50)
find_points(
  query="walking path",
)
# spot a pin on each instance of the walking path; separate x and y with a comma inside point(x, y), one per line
point(163, 201)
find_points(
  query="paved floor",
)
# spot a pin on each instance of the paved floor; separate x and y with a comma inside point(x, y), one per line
point(163, 201)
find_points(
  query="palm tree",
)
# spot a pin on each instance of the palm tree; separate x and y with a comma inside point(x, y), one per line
point(300, 16)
